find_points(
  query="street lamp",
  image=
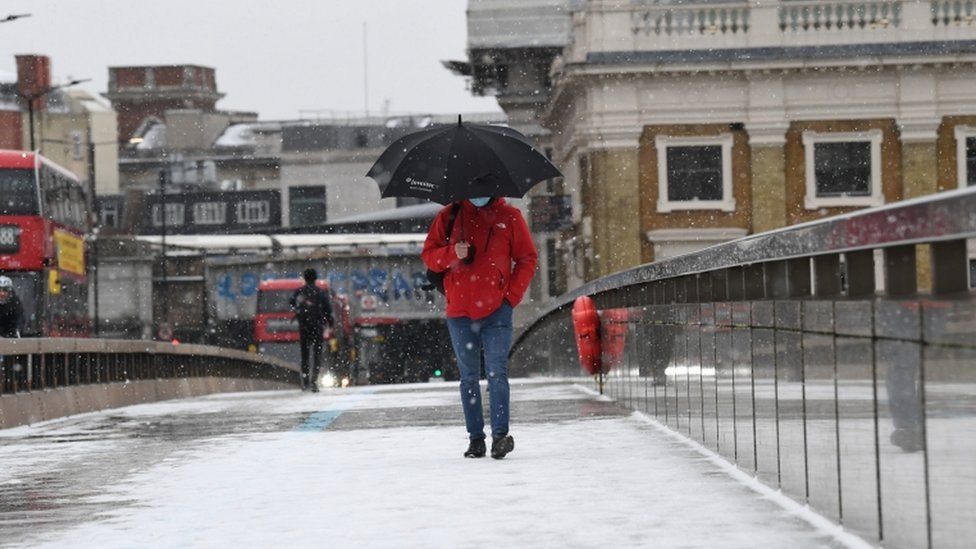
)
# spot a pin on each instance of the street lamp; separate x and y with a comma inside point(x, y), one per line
point(30, 98)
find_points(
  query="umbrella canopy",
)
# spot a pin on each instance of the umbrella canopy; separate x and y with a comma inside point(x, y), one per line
point(449, 163)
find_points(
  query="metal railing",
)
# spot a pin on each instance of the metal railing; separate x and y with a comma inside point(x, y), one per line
point(835, 360)
point(37, 364)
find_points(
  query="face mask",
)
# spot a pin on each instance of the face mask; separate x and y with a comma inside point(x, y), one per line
point(481, 201)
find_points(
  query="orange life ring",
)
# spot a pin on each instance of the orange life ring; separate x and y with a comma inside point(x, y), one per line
point(614, 337)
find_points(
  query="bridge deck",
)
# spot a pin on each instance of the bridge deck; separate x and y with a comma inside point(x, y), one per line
point(375, 467)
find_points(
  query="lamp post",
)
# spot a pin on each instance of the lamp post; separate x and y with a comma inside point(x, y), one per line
point(164, 313)
point(30, 98)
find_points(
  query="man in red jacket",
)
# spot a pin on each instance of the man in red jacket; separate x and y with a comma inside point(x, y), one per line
point(488, 261)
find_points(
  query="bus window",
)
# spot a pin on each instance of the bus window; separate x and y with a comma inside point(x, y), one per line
point(64, 199)
point(275, 301)
point(18, 195)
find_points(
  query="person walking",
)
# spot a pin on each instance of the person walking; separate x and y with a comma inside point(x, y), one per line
point(314, 312)
point(11, 310)
point(485, 251)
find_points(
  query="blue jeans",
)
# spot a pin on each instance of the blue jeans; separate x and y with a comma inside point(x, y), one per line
point(469, 337)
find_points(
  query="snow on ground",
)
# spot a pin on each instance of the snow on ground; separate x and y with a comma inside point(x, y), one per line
point(617, 482)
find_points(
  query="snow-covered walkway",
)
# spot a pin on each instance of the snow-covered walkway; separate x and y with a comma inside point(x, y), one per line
point(375, 467)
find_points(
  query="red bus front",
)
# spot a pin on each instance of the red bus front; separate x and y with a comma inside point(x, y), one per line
point(274, 321)
point(43, 223)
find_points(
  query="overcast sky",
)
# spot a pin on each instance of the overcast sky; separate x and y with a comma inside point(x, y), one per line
point(273, 57)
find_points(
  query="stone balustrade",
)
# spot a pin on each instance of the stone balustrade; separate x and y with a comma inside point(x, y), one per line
point(614, 26)
point(821, 15)
point(953, 12)
point(692, 20)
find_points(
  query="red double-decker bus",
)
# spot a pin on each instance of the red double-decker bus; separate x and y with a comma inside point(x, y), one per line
point(44, 218)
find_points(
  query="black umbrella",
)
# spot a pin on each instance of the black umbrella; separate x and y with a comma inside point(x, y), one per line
point(451, 162)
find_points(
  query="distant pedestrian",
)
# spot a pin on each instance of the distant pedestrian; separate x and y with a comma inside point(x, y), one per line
point(488, 260)
point(314, 312)
point(11, 310)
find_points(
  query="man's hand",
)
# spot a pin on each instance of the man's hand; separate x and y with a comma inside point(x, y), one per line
point(461, 249)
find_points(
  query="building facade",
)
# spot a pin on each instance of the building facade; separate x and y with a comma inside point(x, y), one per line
point(71, 127)
point(169, 124)
point(680, 125)
point(210, 212)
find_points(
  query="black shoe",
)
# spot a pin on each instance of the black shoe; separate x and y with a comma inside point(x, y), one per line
point(476, 448)
point(909, 440)
point(501, 446)
point(314, 387)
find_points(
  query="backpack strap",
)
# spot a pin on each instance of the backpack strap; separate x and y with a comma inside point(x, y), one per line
point(455, 207)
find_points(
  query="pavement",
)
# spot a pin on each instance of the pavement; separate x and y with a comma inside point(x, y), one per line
point(381, 467)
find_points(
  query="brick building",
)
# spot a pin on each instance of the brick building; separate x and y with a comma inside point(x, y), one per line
point(140, 94)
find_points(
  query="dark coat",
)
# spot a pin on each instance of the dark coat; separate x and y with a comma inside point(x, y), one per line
point(11, 317)
point(312, 307)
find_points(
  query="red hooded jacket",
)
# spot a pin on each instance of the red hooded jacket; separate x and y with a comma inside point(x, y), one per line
point(504, 257)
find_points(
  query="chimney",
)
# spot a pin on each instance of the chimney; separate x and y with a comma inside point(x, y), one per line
point(33, 77)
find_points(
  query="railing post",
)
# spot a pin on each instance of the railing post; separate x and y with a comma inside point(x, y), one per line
point(900, 271)
point(950, 268)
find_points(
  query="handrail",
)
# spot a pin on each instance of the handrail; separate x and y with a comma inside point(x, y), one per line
point(31, 364)
point(48, 378)
point(945, 216)
point(26, 346)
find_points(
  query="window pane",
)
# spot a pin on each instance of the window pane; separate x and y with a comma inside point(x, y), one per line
point(695, 173)
point(17, 193)
point(275, 301)
point(254, 212)
point(553, 268)
point(307, 205)
point(971, 161)
point(843, 168)
point(210, 213)
point(174, 214)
